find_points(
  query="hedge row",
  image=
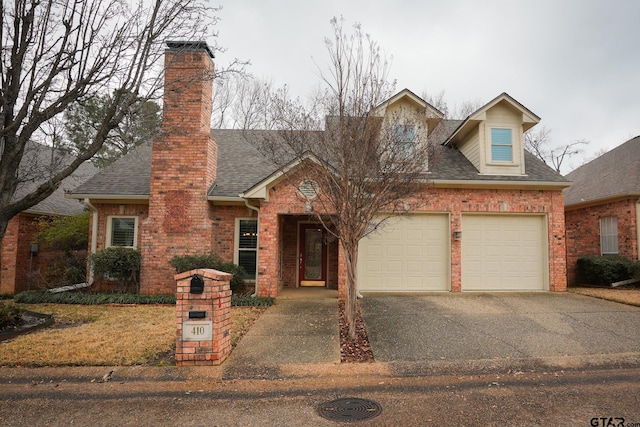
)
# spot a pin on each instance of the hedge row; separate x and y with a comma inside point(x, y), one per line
point(604, 270)
point(38, 297)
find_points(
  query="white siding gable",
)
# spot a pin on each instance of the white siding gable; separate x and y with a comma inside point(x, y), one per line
point(492, 137)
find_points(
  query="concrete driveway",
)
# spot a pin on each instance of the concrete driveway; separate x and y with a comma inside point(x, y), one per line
point(506, 326)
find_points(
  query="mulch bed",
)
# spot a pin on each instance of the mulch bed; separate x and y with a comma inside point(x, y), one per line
point(27, 322)
point(351, 351)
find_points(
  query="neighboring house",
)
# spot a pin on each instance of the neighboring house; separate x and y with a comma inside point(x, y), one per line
point(494, 217)
point(24, 263)
point(602, 207)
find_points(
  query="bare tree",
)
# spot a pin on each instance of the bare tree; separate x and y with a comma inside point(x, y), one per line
point(56, 53)
point(244, 102)
point(539, 144)
point(364, 165)
point(458, 112)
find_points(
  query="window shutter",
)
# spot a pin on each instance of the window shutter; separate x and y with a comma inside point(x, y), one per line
point(123, 231)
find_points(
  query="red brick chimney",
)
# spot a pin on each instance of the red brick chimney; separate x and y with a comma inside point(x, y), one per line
point(183, 167)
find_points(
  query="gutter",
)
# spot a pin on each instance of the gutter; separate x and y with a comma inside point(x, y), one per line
point(492, 184)
point(250, 206)
point(107, 196)
point(94, 236)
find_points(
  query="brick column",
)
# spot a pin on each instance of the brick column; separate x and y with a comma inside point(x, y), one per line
point(203, 320)
point(456, 252)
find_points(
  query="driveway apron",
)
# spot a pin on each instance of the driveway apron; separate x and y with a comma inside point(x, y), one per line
point(302, 327)
point(474, 326)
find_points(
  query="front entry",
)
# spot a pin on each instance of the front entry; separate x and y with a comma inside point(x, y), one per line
point(312, 255)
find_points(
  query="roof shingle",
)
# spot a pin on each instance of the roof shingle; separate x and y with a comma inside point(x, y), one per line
point(615, 173)
point(241, 166)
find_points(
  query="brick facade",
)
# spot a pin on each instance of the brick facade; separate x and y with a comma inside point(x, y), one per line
point(9, 257)
point(583, 232)
point(20, 269)
point(183, 167)
point(283, 199)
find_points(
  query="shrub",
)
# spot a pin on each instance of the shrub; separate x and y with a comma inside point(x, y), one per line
point(120, 264)
point(63, 242)
point(65, 233)
point(42, 297)
point(61, 269)
point(247, 301)
point(184, 263)
point(634, 270)
point(604, 270)
point(9, 315)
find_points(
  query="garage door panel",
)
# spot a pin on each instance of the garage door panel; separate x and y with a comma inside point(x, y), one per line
point(411, 252)
point(503, 252)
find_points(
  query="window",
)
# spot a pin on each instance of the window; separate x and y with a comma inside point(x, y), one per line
point(501, 145)
point(405, 136)
point(609, 235)
point(122, 231)
point(247, 245)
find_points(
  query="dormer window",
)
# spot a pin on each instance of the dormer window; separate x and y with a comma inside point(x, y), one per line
point(501, 145)
point(405, 136)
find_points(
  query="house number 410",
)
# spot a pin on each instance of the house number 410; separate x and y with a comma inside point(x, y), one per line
point(197, 330)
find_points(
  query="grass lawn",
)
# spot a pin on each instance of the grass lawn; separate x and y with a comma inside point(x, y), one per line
point(105, 335)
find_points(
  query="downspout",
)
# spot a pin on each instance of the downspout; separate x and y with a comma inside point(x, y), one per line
point(250, 206)
point(94, 236)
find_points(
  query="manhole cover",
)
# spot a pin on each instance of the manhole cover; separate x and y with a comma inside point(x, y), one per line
point(349, 409)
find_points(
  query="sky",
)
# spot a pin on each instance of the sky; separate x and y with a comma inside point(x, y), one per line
point(574, 63)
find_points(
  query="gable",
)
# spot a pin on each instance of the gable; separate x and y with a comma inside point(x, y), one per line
point(407, 106)
point(492, 137)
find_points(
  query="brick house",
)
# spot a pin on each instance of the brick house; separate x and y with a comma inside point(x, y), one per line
point(602, 207)
point(494, 218)
point(24, 263)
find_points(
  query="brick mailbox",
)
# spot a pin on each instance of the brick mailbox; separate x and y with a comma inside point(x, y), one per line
point(203, 315)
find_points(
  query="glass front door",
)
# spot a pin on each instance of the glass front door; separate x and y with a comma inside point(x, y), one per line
point(313, 255)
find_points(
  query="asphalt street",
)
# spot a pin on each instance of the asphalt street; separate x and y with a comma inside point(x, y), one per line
point(49, 397)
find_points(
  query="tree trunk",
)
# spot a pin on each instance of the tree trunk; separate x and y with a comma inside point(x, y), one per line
point(351, 305)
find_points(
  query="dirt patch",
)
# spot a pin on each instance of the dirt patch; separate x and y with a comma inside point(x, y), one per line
point(357, 350)
point(629, 296)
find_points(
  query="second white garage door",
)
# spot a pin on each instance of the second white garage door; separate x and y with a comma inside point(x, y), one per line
point(411, 253)
point(504, 253)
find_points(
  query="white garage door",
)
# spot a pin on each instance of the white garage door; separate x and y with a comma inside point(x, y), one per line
point(411, 253)
point(504, 253)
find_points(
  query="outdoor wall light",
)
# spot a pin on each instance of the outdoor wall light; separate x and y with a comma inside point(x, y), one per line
point(457, 235)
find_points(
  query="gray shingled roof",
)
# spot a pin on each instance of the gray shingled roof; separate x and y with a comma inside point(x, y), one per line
point(241, 166)
point(128, 176)
point(39, 162)
point(615, 173)
point(451, 165)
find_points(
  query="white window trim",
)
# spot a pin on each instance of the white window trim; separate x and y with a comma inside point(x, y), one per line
point(236, 242)
point(603, 235)
point(108, 242)
point(514, 146)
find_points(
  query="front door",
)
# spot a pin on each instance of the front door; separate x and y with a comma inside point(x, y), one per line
point(313, 255)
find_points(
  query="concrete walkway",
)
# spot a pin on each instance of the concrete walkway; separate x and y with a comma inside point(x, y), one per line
point(301, 328)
